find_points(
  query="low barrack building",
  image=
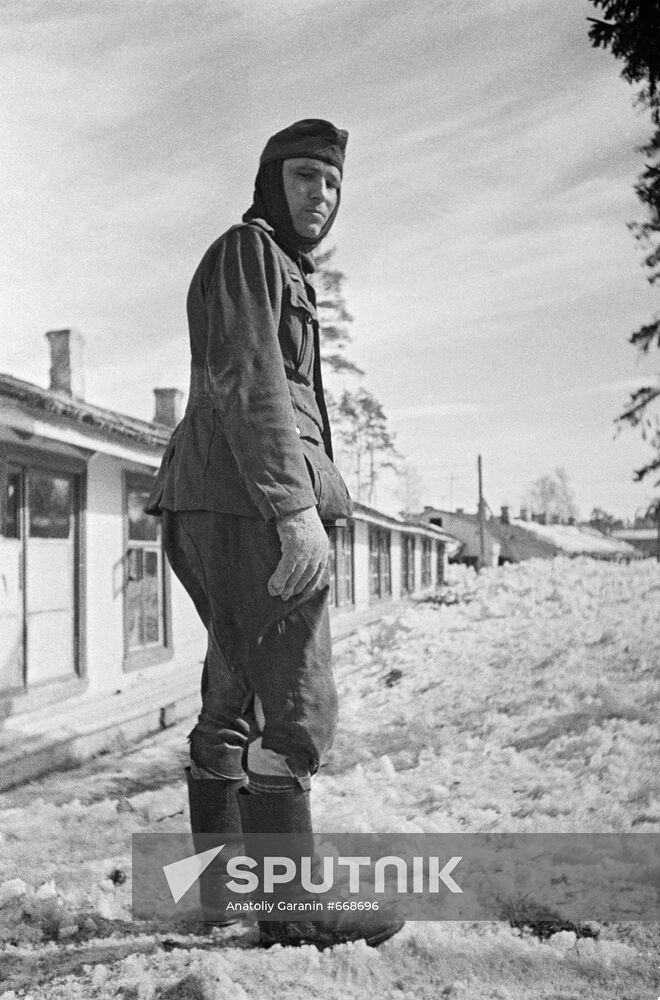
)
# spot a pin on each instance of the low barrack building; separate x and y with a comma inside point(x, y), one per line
point(88, 604)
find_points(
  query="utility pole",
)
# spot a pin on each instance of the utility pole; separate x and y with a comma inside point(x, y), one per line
point(482, 518)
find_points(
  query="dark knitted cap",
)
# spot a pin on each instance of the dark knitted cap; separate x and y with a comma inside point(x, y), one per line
point(309, 137)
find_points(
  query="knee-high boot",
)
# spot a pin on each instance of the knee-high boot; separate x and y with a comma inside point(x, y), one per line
point(213, 809)
point(284, 812)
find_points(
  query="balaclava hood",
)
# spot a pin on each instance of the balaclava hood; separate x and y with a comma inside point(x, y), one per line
point(311, 137)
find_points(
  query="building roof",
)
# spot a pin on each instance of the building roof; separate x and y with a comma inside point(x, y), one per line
point(573, 540)
point(636, 534)
point(548, 539)
point(78, 413)
point(440, 512)
point(398, 521)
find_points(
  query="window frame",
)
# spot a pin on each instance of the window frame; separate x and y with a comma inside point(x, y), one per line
point(345, 566)
point(24, 460)
point(135, 658)
point(380, 563)
point(408, 546)
point(427, 563)
point(439, 563)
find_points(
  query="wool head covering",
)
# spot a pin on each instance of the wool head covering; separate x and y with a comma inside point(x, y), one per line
point(311, 137)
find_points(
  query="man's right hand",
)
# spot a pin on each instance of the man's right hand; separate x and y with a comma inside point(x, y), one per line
point(304, 553)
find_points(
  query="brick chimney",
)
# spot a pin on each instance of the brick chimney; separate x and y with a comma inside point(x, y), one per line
point(504, 515)
point(524, 514)
point(168, 407)
point(66, 362)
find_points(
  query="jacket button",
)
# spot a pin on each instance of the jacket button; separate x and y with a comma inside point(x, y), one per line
point(298, 431)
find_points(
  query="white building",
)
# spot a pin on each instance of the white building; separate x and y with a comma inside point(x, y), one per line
point(86, 596)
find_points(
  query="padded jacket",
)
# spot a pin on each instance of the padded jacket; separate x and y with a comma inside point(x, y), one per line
point(254, 439)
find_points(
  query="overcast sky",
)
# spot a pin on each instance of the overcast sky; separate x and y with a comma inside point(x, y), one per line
point(488, 183)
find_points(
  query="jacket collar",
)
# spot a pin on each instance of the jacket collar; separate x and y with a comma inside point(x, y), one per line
point(305, 260)
point(262, 225)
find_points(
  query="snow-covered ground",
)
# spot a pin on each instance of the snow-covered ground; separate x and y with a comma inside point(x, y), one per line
point(525, 700)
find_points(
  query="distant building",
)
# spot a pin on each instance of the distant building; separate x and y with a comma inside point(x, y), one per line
point(464, 527)
point(87, 601)
point(526, 539)
point(647, 540)
point(86, 597)
point(510, 539)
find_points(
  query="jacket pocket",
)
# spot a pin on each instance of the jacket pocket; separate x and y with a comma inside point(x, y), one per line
point(332, 497)
point(300, 301)
point(303, 316)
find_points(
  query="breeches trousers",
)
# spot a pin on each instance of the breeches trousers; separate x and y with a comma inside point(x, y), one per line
point(267, 679)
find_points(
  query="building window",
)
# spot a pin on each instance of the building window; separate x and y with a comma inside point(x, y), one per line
point(380, 577)
point(407, 564)
point(40, 609)
point(50, 505)
point(427, 556)
point(145, 603)
point(11, 505)
point(440, 563)
point(341, 565)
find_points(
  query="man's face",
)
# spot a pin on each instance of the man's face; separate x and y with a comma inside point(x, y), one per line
point(311, 188)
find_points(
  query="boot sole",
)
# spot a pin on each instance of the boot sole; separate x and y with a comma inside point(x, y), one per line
point(384, 935)
point(372, 941)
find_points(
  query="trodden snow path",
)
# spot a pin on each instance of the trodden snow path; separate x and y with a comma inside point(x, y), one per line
point(529, 703)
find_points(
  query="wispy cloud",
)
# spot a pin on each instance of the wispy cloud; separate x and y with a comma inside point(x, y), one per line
point(488, 183)
point(434, 410)
point(617, 388)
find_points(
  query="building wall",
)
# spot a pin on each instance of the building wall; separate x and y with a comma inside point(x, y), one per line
point(361, 564)
point(465, 527)
point(104, 572)
point(105, 575)
point(644, 539)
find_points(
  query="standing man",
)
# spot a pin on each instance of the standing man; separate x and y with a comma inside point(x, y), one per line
point(247, 488)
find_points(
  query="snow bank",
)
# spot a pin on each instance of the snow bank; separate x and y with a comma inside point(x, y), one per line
point(528, 702)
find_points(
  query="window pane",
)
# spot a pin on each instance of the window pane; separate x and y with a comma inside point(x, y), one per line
point(439, 562)
point(135, 568)
point(345, 565)
point(410, 563)
point(151, 599)
point(141, 527)
point(144, 598)
point(144, 585)
point(332, 566)
point(374, 563)
point(10, 506)
point(426, 562)
point(151, 563)
point(135, 573)
point(386, 583)
point(50, 504)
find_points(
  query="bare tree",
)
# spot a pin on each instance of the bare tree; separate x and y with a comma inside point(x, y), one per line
point(366, 440)
point(552, 496)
